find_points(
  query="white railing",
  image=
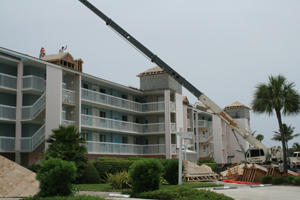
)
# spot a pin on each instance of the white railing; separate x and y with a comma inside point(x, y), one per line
point(120, 148)
point(68, 122)
point(30, 112)
point(110, 124)
point(204, 123)
point(207, 151)
point(7, 112)
point(173, 149)
point(101, 98)
point(205, 137)
point(63, 115)
point(30, 143)
point(8, 81)
point(34, 82)
point(7, 143)
point(68, 96)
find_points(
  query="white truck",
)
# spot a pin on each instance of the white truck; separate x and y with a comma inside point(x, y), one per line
point(258, 154)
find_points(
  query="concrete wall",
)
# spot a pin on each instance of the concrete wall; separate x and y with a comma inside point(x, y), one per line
point(218, 142)
point(159, 82)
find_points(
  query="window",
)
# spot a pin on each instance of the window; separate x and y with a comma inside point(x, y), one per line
point(85, 111)
point(102, 138)
point(85, 92)
point(137, 120)
point(124, 140)
point(124, 96)
point(146, 142)
point(102, 114)
point(137, 140)
point(124, 118)
point(102, 90)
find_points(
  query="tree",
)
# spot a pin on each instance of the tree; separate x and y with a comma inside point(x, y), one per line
point(277, 96)
point(67, 143)
point(296, 146)
point(260, 137)
point(288, 134)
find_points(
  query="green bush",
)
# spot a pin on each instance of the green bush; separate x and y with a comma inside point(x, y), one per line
point(170, 172)
point(296, 181)
point(182, 193)
point(136, 158)
point(111, 166)
point(145, 175)
point(55, 177)
point(90, 175)
point(80, 197)
point(34, 168)
point(266, 179)
point(290, 179)
point(279, 180)
point(120, 180)
point(206, 160)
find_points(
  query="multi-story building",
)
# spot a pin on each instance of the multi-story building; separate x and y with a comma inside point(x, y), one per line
point(37, 95)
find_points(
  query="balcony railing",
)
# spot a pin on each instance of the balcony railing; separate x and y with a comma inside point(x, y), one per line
point(7, 112)
point(204, 123)
point(30, 143)
point(205, 137)
point(68, 122)
point(68, 96)
point(8, 81)
point(30, 112)
point(207, 151)
point(34, 82)
point(110, 124)
point(7, 143)
point(106, 99)
point(127, 149)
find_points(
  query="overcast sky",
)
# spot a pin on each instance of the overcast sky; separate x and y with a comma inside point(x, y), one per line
point(224, 48)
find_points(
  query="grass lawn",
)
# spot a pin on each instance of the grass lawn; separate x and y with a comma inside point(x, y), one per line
point(105, 187)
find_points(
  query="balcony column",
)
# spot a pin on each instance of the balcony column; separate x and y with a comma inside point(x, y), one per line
point(167, 124)
point(19, 100)
point(53, 100)
point(196, 126)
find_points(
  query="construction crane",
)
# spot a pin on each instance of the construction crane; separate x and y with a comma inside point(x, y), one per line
point(259, 154)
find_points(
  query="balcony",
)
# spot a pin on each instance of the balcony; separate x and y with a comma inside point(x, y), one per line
point(7, 144)
point(127, 149)
point(116, 102)
point(34, 83)
point(30, 143)
point(205, 137)
point(68, 96)
point(123, 126)
point(30, 112)
point(207, 152)
point(7, 112)
point(204, 124)
point(67, 122)
point(8, 81)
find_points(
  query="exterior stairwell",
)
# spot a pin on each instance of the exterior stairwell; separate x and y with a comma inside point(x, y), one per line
point(31, 143)
point(31, 112)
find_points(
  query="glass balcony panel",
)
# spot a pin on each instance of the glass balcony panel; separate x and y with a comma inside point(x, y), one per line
point(8, 81)
point(30, 112)
point(34, 82)
point(7, 143)
point(68, 96)
point(26, 144)
point(7, 112)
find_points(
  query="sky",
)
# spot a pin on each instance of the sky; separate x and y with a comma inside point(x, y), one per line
point(223, 47)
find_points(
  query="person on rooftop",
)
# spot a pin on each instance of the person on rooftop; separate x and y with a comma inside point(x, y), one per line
point(42, 53)
point(63, 49)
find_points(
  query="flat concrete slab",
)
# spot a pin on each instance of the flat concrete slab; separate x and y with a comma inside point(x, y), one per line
point(273, 192)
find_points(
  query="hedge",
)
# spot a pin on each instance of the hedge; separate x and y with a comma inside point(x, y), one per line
point(90, 175)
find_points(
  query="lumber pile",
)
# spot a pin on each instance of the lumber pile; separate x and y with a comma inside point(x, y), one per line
point(254, 173)
point(194, 172)
point(16, 181)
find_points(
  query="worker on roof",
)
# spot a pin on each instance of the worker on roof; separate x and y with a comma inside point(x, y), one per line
point(63, 49)
point(42, 52)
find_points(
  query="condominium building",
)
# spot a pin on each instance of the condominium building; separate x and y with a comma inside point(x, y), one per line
point(38, 95)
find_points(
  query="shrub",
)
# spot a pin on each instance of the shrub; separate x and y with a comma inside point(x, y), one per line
point(55, 177)
point(206, 160)
point(296, 181)
point(171, 169)
point(90, 175)
point(145, 175)
point(136, 158)
point(290, 179)
point(182, 193)
point(80, 197)
point(111, 166)
point(279, 180)
point(266, 179)
point(120, 180)
point(34, 168)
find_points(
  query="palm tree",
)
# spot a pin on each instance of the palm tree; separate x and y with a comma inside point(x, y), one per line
point(280, 96)
point(260, 137)
point(296, 146)
point(67, 143)
point(288, 134)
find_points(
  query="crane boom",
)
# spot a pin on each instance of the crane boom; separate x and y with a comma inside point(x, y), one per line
point(199, 95)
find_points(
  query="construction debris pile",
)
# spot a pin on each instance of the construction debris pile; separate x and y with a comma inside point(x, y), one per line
point(194, 172)
point(16, 181)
